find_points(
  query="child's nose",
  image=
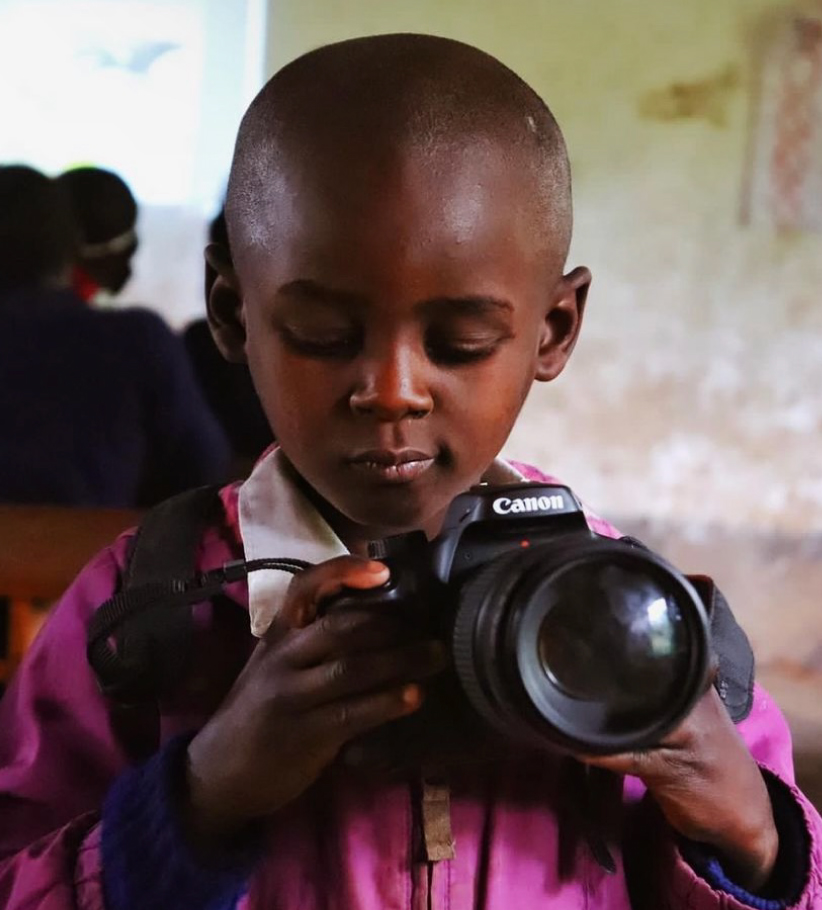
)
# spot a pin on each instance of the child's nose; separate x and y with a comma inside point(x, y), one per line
point(393, 387)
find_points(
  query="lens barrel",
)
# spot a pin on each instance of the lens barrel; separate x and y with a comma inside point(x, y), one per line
point(586, 643)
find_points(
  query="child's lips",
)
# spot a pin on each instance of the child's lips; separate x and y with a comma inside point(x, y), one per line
point(391, 465)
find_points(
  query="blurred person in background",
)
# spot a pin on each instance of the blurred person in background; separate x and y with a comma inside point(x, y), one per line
point(227, 386)
point(97, 407)
point(105, 213)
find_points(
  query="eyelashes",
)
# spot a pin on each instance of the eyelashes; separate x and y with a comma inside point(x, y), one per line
point(456, 354)
point(346, 346)
point(332, 347)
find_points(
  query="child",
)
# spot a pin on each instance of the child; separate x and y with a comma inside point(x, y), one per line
point(399, 216)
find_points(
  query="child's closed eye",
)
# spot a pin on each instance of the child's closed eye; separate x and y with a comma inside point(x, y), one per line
point(462, 349)
point(340, 342)
point(322, 343)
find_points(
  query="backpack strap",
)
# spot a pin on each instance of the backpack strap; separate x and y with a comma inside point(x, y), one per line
point(165, 545)
point(163, 554)
point(154, 645)
point(139, 642)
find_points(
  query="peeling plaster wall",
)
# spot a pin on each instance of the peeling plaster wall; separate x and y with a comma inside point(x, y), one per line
point(695, 393)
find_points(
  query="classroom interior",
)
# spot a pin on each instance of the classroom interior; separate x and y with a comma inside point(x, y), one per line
point(690, 415)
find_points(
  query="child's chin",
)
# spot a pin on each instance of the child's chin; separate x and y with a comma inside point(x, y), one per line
point(396, 513)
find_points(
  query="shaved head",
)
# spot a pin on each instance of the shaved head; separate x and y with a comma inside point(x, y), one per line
point(370, 102)
point(399, 214)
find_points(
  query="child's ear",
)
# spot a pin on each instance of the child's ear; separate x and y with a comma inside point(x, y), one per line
point(226, 318)
point(562, 323)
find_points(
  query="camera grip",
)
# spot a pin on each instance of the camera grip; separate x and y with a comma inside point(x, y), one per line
point(358, 599)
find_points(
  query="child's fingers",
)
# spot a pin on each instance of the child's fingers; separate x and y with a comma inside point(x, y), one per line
point(348, 632)
point(350, 717)
point(706, 719)
point(308, 589)
point(355, 675)
point(633, 763)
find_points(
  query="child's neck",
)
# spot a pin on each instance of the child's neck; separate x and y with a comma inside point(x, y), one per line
point(355, 536)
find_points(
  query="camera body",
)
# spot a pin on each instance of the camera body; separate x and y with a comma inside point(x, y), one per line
point(560, 638)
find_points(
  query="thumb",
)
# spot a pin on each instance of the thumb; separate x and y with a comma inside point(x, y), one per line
point(310, 588)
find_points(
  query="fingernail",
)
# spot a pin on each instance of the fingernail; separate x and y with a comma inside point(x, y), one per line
point(412, 696)
point(376, 568)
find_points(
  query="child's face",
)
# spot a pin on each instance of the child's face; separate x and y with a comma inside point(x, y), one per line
point(394, 318)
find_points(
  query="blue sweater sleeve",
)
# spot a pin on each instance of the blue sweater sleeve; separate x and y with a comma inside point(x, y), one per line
point(147, 863)
point(792, 866)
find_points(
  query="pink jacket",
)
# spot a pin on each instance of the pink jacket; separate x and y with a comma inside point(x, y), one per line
point(347, 843)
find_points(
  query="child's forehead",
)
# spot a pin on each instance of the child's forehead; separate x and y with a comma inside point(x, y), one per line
point(398, 199)
point(419, 241)
point(357, 173)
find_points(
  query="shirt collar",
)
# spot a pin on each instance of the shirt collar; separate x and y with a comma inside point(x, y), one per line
point(278, 520)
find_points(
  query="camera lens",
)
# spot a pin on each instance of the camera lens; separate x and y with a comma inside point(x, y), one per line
point(613, 635)
point(587, 643)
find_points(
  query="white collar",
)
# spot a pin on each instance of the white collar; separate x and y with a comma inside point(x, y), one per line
point(278, 520)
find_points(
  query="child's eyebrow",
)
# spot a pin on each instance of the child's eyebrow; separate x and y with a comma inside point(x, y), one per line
point(471, 305)
point(307, 290)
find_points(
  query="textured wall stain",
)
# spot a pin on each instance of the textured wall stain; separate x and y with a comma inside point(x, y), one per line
point(705, 99)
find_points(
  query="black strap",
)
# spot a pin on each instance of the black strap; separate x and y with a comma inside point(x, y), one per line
point(139, 641)
point(131, 638)
point(136, 645)
point(134, 666)
point(167, 540)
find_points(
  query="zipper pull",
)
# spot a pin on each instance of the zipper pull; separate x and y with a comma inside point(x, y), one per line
point(437, 835)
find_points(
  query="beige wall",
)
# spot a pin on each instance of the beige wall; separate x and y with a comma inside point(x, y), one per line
point(696, 391)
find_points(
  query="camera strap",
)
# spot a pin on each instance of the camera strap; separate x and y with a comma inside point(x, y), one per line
point(129, 633)
point(139, 642)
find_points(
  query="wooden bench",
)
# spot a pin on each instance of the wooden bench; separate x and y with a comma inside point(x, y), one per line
point(42, 548)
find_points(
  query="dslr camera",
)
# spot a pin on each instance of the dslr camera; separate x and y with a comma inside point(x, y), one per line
point(559, 637)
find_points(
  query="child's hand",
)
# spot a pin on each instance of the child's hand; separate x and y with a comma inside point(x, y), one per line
point(710, 790)
point(311, 685)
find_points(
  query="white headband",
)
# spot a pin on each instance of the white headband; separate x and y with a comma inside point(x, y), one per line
point(118, 244)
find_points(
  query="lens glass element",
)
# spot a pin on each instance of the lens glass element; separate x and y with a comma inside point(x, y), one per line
point(613, 635)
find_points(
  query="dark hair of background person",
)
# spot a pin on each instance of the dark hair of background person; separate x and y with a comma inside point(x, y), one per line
point(226, 386)
point(38, 240)
point(105, 211)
